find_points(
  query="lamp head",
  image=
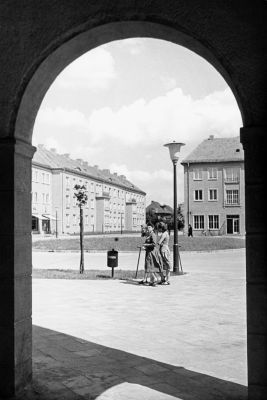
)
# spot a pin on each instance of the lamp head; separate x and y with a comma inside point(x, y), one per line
point(174, 148)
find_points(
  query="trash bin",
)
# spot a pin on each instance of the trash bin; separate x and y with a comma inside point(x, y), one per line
point(112, 260)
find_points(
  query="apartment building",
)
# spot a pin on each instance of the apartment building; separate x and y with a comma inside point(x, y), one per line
point(114, 204)
point(214, 195)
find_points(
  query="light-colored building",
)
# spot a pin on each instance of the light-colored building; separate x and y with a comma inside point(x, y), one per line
point(214, 196)
point(114, 204)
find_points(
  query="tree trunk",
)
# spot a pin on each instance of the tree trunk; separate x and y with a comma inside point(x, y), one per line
point(81, 241)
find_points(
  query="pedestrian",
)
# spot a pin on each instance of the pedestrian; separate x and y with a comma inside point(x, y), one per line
point(144, 233)
point(190, 231)
point(153, 261)
point(165, 253)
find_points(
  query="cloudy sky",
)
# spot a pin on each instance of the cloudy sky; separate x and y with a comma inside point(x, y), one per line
point(117, 105)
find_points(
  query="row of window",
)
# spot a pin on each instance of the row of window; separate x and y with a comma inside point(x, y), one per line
point(109, 221)
point(213, 222)
point(99, 189)
point(231, 196)
point(230, 174)
point(45, 197)
point(76, 219)
point(42, 177)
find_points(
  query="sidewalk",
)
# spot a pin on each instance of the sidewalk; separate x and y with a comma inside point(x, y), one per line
point(116, 340)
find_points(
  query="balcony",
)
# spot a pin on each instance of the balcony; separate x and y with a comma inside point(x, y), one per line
point(232, 204)
point(231, 179)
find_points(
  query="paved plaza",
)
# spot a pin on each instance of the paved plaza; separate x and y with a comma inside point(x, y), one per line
point(112, 339)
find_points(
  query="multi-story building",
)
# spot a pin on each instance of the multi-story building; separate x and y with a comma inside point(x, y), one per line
point(114, 204)
point(214, 197)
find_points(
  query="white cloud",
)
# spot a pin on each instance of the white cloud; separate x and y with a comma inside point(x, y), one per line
point(93, 70)
point(137, 131)
point(173, 116)
point(168, 117)
point(141, 175)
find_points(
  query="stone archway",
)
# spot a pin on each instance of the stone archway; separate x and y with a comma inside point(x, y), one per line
point(38, 41)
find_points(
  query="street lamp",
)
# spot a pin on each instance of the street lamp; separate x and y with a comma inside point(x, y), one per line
point(174, 148)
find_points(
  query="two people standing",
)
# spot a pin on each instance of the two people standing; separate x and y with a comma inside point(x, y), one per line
point(157, 258)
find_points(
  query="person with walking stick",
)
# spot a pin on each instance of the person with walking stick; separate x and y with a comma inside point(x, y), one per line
point(153, 261)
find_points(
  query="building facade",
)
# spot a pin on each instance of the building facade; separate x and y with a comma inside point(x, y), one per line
point(214, 196)
point(114, 204)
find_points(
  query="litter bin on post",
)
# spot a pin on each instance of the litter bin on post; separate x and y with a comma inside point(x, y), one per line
point(112, 260)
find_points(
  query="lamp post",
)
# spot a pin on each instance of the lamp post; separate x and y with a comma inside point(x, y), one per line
point(174, 148)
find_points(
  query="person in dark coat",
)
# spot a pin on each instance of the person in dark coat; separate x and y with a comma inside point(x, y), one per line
point(190, 230)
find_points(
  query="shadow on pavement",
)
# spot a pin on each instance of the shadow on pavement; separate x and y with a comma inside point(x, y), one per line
point(70, 368)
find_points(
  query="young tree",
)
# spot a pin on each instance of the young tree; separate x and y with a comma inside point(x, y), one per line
point(81, 198)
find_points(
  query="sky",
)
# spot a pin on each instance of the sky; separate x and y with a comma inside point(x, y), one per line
point(117, 105)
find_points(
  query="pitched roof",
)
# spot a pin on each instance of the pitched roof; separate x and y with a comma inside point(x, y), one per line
point(216, 150)
point(51, 159)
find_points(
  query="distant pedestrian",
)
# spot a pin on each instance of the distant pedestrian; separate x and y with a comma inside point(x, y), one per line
point(165, 253)
point(153, 261)
point(190, 230)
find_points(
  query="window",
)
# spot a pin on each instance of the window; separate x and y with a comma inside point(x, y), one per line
point(43, 177)
point(213, 195)
point(67, 182)
point(197, 174)
point(86, 220)
point(43, 197)
point(74, 218)
point(92, 187)
point(198, 195)
point(213, 221)
point(232, 197)
point(47, 198)
point(198, 222)
point(212, 174)
point(92, 203)
point(67, 201)
point(231, 174)
point(67, 220)
point(36, 176)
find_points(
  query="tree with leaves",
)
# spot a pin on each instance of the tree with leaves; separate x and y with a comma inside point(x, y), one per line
point(81, 197)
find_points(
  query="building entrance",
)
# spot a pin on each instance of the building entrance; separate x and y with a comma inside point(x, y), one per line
point(233, 224)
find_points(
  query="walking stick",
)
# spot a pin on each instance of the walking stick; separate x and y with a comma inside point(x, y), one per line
point(140, 248)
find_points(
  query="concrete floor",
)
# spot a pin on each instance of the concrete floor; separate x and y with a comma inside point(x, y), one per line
point(118, 340)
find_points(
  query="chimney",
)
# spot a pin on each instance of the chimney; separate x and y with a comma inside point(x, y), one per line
point(106, 171)
point(66, 155)
point(80, 160)
point(53, 150)
point(96, 166)
point(115, 173)
point(211, 137)
point(122, 176)
point(41, 146)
